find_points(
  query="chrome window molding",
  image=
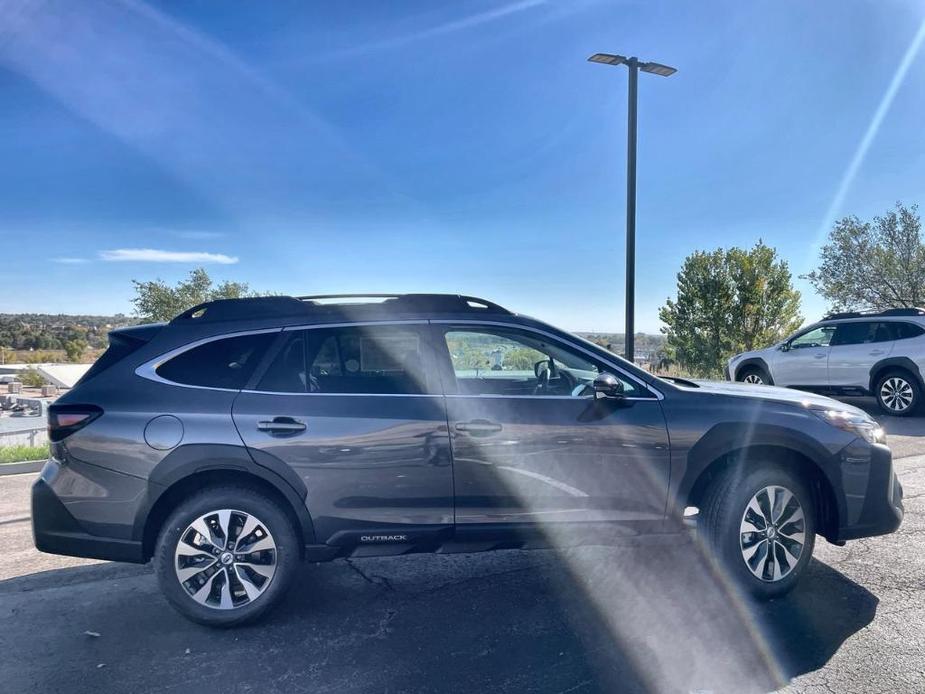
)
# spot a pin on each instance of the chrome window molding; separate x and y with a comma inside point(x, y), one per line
point(340, 395)
point(519, 326)
point(148, 370)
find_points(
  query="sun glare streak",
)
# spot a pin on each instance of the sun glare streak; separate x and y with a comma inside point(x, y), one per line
point(871, 133)
point(201, 114)
point(668, 607)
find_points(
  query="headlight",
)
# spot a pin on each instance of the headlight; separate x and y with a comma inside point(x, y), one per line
point(858, 424)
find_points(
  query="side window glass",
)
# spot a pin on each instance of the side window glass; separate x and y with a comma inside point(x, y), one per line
point(884, 332)
point(511, 362)
point(376, 360)
point(286, 374)
point(818, 337)
point(224, 363)
point(903, 331)
point(857, 333)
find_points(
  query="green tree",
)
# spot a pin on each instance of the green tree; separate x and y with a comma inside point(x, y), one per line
point(31, 378)
point(729, 300)
point(873, 265)
point(75, 349)
point(158, 301)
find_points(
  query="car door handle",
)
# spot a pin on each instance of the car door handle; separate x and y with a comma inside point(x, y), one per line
point(479, 426)
point(819, 356)
point(875, 352)
point(281, 425)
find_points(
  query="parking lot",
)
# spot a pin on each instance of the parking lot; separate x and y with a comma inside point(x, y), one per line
point(651, 616)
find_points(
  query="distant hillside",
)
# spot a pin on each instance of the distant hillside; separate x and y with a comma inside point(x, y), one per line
point(41, 331)
point(649, 347)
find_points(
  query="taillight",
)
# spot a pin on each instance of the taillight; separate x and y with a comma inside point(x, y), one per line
point(64, 420)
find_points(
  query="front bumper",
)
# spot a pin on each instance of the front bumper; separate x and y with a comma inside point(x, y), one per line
point(873, 494)
point(55, 529)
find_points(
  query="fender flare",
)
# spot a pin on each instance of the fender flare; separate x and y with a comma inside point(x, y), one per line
point(190, 459)
point(728, 438)
point(754, 361)
point(904, 363)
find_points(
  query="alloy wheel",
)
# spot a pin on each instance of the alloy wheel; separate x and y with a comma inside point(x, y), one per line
point(225, 559)
point(772, 533)
point(754, 379)
point(896, 394)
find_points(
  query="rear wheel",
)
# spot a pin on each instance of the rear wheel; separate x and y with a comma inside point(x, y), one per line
point(754, 375)
point(760, 526)
point(226, 556)
point(898, 393)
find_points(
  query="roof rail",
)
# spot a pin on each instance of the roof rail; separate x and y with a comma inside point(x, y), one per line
point(903, 312)
point(874, 314)
point(234, 309)
point(288, 306)
point(458, 303)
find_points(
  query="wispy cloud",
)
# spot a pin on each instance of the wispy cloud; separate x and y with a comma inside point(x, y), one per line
point(451, 27)
point(151, 255)
point(70, 261)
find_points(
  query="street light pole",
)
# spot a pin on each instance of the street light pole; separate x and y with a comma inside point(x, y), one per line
point(634, 67)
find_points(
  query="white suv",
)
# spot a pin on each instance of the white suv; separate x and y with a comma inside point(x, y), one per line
point(879, 354)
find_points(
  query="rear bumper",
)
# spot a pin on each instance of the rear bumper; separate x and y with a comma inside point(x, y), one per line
point(879, 507)
point(56, 531)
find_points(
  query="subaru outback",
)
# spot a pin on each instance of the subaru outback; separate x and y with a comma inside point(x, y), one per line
point(847, 354)
point(246, 435)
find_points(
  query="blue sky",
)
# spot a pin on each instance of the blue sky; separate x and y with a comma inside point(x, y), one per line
point(435, 146)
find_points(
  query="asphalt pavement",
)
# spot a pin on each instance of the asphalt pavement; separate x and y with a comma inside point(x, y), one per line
point(654, 616)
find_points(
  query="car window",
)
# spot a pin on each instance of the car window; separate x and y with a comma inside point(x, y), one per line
point(225, 363)
point(378, 360)
point(904, 331)
point(855, 333)
point(507, 361)
point(818, 337)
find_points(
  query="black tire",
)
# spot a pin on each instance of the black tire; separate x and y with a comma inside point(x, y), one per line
point(721, 522)
point(754, 372)
point(244, 503)
point(898, 393)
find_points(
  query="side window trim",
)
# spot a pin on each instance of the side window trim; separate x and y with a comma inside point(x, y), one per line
point(446, 366)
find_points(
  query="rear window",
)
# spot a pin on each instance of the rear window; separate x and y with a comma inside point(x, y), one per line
point(224, 363)
point(903, 331)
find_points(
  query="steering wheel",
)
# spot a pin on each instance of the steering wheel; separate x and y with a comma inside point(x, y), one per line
point(542, 381)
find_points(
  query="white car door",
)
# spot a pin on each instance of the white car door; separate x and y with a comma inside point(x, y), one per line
point(855, 347)
point(803, 360)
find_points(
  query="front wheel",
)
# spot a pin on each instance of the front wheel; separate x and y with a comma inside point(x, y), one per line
point(760, 526)
point(226, 556)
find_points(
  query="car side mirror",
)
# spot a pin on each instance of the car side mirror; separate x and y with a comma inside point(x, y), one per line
point(608, 385)
point(784, 347)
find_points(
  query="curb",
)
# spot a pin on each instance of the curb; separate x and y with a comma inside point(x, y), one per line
point(20, 468)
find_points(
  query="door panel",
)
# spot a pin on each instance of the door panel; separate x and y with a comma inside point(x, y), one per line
point(532, 444)
point(357, 413)
point(804, 361)
point(368, 462)
point(856, 347)
point(536, 459)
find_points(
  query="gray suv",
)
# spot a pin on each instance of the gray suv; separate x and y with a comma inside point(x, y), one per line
point(247, 434)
